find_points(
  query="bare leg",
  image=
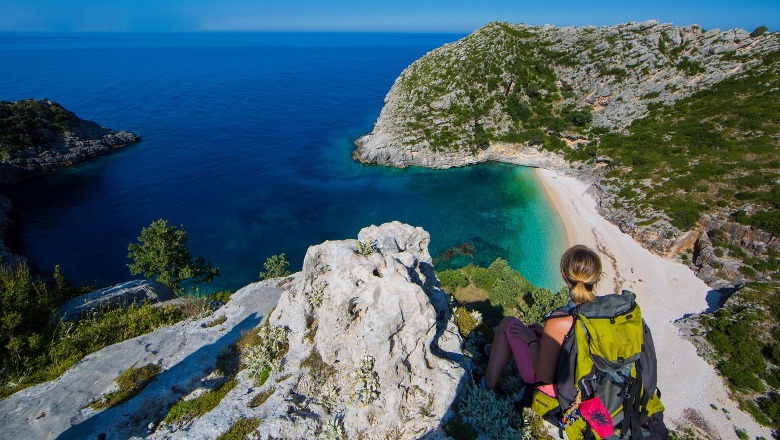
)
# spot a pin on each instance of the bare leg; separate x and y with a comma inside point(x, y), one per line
point(500, 354)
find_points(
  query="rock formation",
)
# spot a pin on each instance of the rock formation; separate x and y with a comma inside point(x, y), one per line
point(120, 295)
point(52, 139)
point(372, 351)
point(615, 71)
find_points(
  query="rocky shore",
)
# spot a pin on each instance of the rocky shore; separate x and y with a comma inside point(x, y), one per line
point(48, 139)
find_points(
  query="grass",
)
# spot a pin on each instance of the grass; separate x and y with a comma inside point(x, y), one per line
point(186, 410)
point(261, 397)
point(61, 346)
point(241, 429)
point(130, 382)
point(217, 321)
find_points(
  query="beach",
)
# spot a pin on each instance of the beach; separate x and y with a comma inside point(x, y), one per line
point(666, 291)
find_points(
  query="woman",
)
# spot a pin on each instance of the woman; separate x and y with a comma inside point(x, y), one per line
point(536, 349)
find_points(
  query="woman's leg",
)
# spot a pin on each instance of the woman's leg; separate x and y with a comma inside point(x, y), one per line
point(500, 354)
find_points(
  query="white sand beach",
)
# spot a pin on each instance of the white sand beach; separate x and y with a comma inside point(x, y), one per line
point(666, 290)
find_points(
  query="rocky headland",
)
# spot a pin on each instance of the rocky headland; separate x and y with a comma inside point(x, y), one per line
point(437, 108)
point(638, 113)
point(39, 137)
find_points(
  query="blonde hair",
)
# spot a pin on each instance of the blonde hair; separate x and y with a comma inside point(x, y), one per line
point(581, 268)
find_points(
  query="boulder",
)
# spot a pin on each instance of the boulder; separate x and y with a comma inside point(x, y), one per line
point(120, 295)
point(391, 359)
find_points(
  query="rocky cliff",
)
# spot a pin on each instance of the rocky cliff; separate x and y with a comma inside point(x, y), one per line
point(458, 99)
point(370, 350)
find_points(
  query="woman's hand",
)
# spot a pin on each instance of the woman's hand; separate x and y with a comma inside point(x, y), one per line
point(520, 331)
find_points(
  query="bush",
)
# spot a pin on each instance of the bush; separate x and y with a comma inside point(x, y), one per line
point(759, 31)
point(161, 254)
point(451, 279)
point(275, 266)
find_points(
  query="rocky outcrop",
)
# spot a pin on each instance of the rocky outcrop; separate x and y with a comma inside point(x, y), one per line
point(373, 352)
point(120, 295)
point(53, 144)
point(615, 72)
point(382, 309)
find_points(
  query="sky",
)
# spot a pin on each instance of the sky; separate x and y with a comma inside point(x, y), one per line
point(457, 16)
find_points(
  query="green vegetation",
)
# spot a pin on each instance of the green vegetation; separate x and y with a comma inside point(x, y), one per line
point(30, 123)
point(509, 93)
point(161, 254)
point(495, 292)
point(262, 351)
point(699, 156)
point(275, 266)
point(749, 350)
point(759, 31)
point(261, 397)
point(34, 349)
point(241, 429)
point(130, 382)
point(186, 410)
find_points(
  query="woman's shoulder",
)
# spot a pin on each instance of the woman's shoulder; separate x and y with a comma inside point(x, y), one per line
point(559, 324)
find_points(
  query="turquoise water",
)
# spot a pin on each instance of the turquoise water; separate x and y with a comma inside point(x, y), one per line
point(247, 142)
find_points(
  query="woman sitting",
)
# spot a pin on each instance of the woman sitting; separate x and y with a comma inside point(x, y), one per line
point(536, 349)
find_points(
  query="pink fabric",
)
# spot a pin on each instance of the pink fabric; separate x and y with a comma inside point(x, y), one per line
point(522, 354)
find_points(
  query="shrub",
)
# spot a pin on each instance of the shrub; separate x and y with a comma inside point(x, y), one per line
point(275, 266)
point(759, 31)
point(161, 254)
point(451, 279)
point(265, 356)
point(490, 414)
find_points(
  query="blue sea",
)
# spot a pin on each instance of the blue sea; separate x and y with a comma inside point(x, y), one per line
point(247, 142)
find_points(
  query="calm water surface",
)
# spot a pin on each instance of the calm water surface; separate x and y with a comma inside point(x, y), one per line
point(247, 142)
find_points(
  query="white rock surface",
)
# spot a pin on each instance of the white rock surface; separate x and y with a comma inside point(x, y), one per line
point(385, 305)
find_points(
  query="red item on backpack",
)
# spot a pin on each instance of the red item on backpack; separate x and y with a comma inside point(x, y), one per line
point(597, 416)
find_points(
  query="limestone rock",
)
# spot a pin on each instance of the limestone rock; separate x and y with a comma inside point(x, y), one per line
point(372, 348)
point(383, 309)
point(119, 295)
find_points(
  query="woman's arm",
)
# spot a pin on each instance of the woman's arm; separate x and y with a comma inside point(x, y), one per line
point(547, 353)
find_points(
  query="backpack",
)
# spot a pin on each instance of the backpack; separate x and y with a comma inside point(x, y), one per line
point(606, 387)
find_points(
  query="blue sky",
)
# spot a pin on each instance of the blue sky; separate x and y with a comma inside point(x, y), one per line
point(460, 16)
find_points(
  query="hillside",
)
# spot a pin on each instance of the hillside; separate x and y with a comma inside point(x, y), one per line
point(676, 129)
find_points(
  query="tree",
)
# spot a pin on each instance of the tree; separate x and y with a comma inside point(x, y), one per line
point(161, 254)
point(275, 266)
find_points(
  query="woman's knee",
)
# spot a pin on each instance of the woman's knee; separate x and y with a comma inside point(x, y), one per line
point(507, 321)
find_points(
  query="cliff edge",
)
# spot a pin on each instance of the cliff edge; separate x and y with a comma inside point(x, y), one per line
point(369, 348)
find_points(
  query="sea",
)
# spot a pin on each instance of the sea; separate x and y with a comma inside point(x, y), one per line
point(247, 145)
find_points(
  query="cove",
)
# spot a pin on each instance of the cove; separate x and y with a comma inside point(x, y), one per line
point(247, 144)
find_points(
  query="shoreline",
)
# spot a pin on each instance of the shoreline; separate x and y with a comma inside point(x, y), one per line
point(555, 202)
point(667, 291)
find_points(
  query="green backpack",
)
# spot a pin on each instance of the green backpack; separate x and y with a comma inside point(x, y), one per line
point(606, 374)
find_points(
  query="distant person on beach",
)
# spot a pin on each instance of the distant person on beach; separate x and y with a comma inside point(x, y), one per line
point(537, 349)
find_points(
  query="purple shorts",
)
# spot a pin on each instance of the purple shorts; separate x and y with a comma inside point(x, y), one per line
point(522, 354)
